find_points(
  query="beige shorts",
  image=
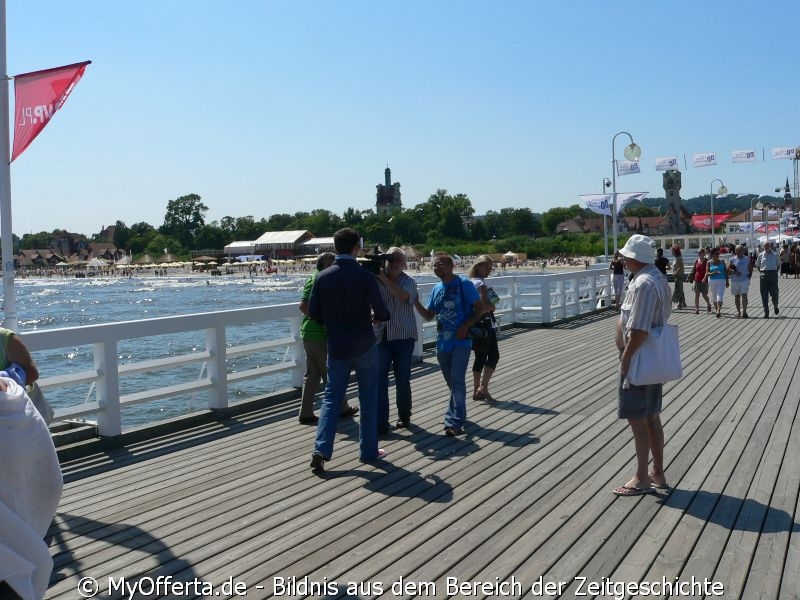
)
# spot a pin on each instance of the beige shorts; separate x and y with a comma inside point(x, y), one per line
point(740, 287)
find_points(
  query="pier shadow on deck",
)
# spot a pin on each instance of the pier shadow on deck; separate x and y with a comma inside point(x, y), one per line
point(526, 493)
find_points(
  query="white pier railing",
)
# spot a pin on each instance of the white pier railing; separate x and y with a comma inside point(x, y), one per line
point(214, 353)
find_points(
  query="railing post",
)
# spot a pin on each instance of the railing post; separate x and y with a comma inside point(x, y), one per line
point(544, 298)
point(298, 353)
point(217, 372)
point(109, 419)
point(514, 289)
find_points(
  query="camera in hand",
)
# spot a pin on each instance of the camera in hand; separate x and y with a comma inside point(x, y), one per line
point(376, 261)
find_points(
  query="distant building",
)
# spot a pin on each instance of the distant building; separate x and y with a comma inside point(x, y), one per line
point(658, 225)
point(107, 233)
point(672, 191)
point(387, 197)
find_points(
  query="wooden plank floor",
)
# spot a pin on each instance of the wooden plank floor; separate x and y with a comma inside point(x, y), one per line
point(526, 494)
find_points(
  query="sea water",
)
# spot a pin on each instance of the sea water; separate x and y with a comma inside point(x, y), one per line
point(62, 302)
point(59, 302)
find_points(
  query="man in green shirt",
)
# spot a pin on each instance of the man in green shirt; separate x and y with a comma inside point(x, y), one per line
point(315, 344)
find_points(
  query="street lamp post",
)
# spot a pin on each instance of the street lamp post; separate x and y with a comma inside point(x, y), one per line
point(606, 184)
point(752, 225)
point(722, 191)
point(768, 206)
point(632, 152)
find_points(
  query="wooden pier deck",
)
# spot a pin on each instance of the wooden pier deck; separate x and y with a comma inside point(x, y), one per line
point(525, 495)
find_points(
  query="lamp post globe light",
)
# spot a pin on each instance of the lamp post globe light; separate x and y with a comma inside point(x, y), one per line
point(722, 191)
point(632, 152)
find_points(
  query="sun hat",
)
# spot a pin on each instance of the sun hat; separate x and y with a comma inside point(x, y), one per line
point(640, 248)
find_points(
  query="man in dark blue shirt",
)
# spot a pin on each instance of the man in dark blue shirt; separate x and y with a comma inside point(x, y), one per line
point(345, 297)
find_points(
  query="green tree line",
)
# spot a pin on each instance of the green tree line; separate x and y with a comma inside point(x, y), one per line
point(443, 222)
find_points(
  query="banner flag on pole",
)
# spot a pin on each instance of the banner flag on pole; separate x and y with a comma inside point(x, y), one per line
point(627, 167)
point(598, 203)
point(781, 153)
point(704, 159)
point(703, 222)
point(743, 156)
point(624, 199)
point(37, 97)
point(666, 162)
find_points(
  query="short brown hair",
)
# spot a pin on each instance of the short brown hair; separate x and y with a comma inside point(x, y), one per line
point(345, 240)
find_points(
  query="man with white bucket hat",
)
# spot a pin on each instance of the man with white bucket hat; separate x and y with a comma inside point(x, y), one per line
point(642, 309)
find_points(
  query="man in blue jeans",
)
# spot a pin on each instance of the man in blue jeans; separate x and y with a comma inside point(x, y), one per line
point(457, 306)
point(396, 338)
point(345, 297)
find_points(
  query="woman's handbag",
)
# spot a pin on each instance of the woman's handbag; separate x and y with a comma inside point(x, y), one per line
point(40, 402)
point(690, 276)
point(481, 333)
point(658, 359)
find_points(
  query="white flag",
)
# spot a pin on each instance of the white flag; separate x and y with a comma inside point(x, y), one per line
point(779, 153)
point(598, 203)
point(704, 159)
point(624, 199)
point(743, 156)
point(666, 162)
point(627, 167)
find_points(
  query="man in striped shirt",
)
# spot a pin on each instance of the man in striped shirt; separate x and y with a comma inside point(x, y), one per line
point(396, 338)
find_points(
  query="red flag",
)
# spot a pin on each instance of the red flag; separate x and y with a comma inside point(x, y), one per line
point(37, 96)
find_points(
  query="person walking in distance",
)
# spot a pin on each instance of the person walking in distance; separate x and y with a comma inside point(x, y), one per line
point(740, 270)
point(700, 282)
point(617, 268)
point(678, 271)
point(717, 279)
point(768, 263)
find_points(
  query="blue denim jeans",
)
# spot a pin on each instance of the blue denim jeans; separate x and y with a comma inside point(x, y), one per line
point(366, 367)
point(396, 353)
point(454, 368)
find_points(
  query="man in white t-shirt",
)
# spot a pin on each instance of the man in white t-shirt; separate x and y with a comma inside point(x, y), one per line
point(741, 270)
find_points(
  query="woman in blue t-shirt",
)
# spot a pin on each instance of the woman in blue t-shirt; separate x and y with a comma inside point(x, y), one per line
point(717, 278)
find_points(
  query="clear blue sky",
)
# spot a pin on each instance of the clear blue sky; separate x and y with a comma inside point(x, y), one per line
point(265, 107)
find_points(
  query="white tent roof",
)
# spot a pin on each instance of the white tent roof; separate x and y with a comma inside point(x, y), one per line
point(280, 237)
point(326, 241)
point(240, 248)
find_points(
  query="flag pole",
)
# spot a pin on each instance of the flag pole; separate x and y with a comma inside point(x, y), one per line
point(6, 235)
